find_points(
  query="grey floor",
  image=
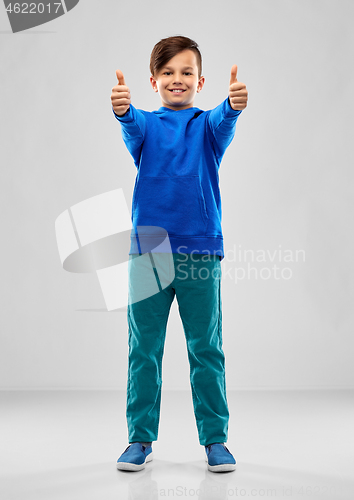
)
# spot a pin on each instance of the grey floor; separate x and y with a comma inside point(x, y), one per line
point(64, 445)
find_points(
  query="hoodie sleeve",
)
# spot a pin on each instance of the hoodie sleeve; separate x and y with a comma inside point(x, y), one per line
point(222, 124)
point(133, 125)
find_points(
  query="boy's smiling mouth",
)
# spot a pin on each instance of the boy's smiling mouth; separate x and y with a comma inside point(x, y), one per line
point(177, 91)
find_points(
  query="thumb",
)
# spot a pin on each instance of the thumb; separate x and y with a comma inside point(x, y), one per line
point(120, 77)
point(233, 78)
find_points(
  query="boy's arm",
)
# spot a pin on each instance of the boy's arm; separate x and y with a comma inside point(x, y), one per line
point(133, 131)
point(222, 123)
point(131, 119)
point(222, 119)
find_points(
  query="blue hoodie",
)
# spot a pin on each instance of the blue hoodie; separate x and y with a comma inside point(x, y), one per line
point(177, 154)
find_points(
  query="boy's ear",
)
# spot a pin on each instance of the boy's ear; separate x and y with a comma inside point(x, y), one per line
point(200, 83)
point(153, 83)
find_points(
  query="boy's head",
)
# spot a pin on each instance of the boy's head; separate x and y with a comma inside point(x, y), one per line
point(176, 64)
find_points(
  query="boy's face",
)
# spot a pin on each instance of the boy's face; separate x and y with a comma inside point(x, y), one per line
point(180, 72)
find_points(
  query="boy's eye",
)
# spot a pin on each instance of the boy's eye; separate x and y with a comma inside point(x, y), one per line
point(168, 72)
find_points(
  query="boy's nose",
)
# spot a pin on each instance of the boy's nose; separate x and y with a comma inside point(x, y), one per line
point(177, 79)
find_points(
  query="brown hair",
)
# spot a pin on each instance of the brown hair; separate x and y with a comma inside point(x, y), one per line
point(167, 48)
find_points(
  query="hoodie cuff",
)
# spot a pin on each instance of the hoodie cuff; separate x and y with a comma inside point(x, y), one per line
point(127, 114)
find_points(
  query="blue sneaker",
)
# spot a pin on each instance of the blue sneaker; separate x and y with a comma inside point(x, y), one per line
point(219, 458)
point(134, 457)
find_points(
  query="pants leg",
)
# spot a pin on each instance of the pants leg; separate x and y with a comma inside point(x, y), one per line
point(198, 289)
point(147, 321)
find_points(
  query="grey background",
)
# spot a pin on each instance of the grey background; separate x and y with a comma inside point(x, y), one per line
point(286, 182)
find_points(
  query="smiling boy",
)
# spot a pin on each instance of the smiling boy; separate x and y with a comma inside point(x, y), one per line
point(177, 151)
point(178, 81)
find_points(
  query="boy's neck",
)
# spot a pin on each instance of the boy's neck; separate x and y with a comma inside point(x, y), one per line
point(177, 108)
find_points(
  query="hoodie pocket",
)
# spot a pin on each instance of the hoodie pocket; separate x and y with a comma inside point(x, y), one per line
point(175, 203)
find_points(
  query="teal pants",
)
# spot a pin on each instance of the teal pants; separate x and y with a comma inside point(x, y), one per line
point(154, 280)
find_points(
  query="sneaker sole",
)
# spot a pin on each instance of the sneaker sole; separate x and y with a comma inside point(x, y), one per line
point(221, 467)
point(134, 467)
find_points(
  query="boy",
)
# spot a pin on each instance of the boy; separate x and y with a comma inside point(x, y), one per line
point(177, 151)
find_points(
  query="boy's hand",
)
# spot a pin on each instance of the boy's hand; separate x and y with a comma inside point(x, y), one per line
point(238, 94)
point(120, 96)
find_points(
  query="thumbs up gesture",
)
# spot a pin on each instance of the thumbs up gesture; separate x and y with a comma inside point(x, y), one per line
point(120, 96)
point(238, 94)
